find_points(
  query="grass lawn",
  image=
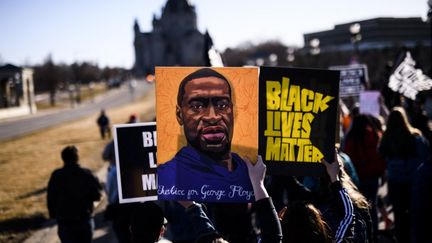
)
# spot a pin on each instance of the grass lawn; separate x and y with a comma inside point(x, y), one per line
point(26, 164)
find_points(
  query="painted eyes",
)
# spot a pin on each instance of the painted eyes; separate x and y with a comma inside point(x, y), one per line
point(196, 106)
point(222, 104)
point(219, 105)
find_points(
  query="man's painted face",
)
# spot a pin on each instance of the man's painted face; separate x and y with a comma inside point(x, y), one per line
point(206, 114)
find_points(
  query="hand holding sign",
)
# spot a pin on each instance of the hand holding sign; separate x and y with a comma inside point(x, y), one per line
point(256, 175)
point(334, 168)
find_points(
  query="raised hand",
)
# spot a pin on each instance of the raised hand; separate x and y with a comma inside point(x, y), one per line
point(334, 168)
point(256, 175)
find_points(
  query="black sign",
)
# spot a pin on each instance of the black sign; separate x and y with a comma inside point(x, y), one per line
point(135, 149)
point(297, 119)
point(353, 79)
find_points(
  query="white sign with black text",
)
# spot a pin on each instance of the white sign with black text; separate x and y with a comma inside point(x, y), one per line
point(135, 150)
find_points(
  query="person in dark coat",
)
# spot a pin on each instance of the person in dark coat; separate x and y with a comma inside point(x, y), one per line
point(361, 144)
point(71, 193)
point(103, 123)
point(405, 148)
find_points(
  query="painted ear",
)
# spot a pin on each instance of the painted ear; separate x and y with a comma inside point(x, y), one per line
point(179, 115)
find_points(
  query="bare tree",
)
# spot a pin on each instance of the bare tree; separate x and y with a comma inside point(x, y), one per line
point(48, 77)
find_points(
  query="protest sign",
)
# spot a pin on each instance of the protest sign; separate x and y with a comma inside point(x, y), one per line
point(353, 79)
point(135, 150)
point(207, 123)
point(408, 80)
point(369, 102)
point(297, 119)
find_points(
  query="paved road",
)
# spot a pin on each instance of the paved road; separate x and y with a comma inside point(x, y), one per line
point(17, 127)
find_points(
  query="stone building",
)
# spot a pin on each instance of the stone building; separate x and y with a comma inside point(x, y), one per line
point(174, 40)
point(374, 33)
point(16, 91)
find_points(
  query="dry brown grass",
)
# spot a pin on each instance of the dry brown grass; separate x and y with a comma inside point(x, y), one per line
point(27, 162)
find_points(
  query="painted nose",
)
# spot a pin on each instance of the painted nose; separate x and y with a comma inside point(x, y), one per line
point(212, 116)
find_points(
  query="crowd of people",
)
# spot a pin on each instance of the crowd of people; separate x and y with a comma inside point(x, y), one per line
point(391, 151)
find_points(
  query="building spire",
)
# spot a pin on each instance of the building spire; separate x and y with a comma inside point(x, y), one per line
point(136, 26)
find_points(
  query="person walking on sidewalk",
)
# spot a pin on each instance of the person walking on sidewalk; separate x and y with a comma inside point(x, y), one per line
point(103, 123)
point(72, 190)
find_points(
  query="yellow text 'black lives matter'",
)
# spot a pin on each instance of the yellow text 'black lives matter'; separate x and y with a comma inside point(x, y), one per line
point(290, 112)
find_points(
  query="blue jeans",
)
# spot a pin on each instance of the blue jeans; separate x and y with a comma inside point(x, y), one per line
point(76, 231)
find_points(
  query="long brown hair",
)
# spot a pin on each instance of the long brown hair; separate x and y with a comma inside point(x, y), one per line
point(357, 198)
point(303, 223)
point(398, 140)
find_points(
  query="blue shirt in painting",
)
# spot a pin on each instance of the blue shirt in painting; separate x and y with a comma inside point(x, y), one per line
point(192, 175)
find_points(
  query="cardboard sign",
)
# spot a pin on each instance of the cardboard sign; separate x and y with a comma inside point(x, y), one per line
point(369, 103)
point(207, 123)
point(353, 79)
point(297, 119)
point(135, 150)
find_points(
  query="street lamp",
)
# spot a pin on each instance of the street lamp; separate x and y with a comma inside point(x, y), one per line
point(273, 58)
point(259, 61)
point(290, 54)
point(314, 44)
point(355, 37)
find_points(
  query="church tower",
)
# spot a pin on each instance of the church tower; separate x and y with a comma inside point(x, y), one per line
point(178, 18)
point(175, 40)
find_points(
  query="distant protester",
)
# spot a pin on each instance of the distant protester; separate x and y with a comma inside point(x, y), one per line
point(361, 143)
point(103, 123)
point(404, 149)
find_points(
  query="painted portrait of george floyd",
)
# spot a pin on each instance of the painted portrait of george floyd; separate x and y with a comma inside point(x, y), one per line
point(207, 124)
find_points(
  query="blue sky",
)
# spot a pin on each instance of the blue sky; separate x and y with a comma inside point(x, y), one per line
point(101, 30)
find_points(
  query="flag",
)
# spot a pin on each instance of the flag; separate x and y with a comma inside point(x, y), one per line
point(408, 80)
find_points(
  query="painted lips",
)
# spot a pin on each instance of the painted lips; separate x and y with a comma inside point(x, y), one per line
point(213, 134)
point(214, 137)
